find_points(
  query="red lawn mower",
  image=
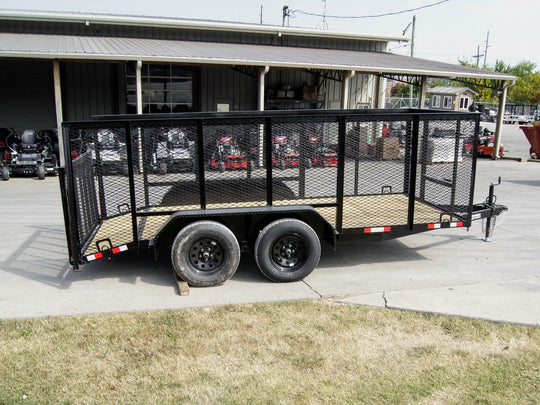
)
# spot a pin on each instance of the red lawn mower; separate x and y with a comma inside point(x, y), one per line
point(321, 154)
point(284, 152)
point(228, 155)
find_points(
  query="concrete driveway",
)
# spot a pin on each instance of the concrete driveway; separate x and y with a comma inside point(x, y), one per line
point(446, 271)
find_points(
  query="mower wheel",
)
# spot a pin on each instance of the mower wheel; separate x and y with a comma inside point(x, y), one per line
point(41, 172)
point(5, 173)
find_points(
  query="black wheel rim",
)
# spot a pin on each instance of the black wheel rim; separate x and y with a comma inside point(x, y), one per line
point(288, 253)
point(206, 255)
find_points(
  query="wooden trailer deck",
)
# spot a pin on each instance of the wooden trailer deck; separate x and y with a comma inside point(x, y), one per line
point(358, 212)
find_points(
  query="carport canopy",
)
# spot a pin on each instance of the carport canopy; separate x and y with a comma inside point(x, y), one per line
point(72, 47)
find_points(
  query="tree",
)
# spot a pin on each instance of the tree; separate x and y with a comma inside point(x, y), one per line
point(526, 90)
point(527, 87)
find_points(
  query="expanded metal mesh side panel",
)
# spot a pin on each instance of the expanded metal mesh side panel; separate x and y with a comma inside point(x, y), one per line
point(305, 162)
point(377, 159)
point(87, 213)
point(165, 166)
point(234, 172)
point(105, 180)
point(445, 166)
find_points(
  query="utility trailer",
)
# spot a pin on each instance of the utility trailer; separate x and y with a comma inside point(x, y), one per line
point(205, 218)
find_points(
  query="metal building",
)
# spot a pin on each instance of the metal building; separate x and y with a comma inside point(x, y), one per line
point(67, 66)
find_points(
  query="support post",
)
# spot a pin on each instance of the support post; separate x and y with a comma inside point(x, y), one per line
point(380, 92)
point(260, 106)
point(262, 73)
point(59, 113)
point(345, 84)
point(138, 79)
point(422, 95)
point(500, 116)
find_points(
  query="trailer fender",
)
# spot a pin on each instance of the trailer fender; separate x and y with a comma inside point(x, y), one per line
point(246, 223)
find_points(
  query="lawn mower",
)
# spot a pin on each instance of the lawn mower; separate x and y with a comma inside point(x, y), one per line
point(24, 154)
point(285, 154)
point(228, 155)
point(110, 152)
point(174, 151)
point(321, 154)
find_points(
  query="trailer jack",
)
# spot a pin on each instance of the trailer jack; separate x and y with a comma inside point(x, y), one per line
point(489, 210)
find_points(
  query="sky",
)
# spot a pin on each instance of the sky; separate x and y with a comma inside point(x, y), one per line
point(450, 31)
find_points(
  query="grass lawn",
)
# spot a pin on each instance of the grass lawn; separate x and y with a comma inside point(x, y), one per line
point(300, 352)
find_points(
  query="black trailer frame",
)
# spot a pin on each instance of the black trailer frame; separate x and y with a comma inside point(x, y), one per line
point(381, 186)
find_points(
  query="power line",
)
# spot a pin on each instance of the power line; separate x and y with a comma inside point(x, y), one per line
point(368, 16)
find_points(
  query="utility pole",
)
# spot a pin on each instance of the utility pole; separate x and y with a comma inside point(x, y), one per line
point(413, 23)
point(478, 56)
point(486, 48)
point(261, 13)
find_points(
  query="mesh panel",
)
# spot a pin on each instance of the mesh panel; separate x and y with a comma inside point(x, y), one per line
point(305, 159)
point(168, 156)
point(101, 184)
point(376, 164)
point(444, 168)
point(233, 173)
point(285, 158)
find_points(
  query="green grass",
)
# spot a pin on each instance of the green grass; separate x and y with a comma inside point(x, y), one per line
point(302, 352)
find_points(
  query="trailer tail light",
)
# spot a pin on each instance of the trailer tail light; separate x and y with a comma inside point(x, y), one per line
point(114, 251)
point(379, 229)
point(448, 224)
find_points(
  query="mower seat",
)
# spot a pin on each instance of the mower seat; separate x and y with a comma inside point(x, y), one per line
point(29, 141)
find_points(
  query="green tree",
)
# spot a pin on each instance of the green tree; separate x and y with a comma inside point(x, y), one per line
point(526, 89)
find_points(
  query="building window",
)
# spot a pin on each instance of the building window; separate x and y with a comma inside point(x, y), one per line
point(464, 103)
point(165, 88)
point(447, 103)
point(436, 103)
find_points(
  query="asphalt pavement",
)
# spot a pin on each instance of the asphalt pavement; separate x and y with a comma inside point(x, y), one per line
point(451, 271)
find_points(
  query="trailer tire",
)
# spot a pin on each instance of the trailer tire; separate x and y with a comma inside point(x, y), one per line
point(5, 173)
point(205, 254)
point(287, 250)
point(41, 172)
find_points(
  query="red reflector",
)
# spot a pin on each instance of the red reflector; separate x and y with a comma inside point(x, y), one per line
point(431, 226)
point(378, 229)
point(460, 224)
point(116, 250)
point(98, 255)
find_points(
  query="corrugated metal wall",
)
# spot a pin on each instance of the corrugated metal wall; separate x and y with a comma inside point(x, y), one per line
point(225, 85)
point(92, 89)
point(27, 95)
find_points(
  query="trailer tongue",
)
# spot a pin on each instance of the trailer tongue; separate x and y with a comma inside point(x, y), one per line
point(378, 186)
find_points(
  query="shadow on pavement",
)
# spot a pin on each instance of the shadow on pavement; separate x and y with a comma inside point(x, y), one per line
point(43, 257)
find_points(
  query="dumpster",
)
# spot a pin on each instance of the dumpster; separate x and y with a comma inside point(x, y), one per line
point(532, 132)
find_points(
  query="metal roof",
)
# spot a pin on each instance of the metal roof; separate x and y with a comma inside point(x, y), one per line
point(172, 51)
point(451, 90)
point(196, 24)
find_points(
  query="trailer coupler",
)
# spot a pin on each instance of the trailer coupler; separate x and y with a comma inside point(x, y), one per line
point(489, 210)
